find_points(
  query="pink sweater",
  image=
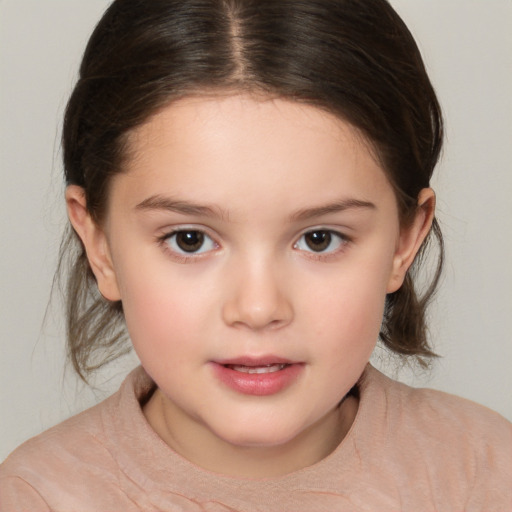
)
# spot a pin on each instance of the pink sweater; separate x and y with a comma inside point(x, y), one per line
point(408, 449)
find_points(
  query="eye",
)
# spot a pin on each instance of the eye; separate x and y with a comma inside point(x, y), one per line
point(189, 241)
point(320, 241)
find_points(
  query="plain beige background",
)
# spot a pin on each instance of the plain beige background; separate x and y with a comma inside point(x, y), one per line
point(467, 45)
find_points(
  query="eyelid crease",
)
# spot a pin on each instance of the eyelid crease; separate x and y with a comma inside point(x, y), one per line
point(166, 232)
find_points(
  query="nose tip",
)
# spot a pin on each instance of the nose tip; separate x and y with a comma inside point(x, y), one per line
point(255, 317)
point(258, 302)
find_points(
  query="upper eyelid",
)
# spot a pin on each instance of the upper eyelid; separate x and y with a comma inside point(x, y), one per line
point(337, 231)
point(171, 230)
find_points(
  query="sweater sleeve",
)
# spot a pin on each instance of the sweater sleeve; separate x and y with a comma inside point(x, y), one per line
point(16, 495)
point(492, 485)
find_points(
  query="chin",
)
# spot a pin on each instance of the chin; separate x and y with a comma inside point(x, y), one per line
point(267, 436)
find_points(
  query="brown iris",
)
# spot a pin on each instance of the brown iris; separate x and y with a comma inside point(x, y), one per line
point(189, 241)
point(318, 241)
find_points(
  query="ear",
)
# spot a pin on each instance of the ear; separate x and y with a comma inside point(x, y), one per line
point(411, 238)
point(95, 242)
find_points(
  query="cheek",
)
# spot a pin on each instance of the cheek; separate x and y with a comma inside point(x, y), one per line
point(162, 309)
point(349, 309)
point(354, 319)
point(359, 283)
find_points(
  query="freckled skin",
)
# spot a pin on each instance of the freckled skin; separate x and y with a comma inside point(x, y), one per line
point(255, 288)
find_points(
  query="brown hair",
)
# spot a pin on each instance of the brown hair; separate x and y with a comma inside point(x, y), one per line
point(354, 58)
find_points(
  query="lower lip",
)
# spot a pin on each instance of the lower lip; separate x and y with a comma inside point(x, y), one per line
point(258, 384)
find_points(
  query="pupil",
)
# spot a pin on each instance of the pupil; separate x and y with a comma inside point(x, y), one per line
point(318, 240)
point(189, 241)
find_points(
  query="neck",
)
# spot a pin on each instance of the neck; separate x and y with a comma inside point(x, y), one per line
point(203, 448)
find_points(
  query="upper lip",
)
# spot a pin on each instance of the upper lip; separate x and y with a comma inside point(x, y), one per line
point(254, 361)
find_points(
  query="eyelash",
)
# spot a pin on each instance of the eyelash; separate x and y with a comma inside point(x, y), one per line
point(183, 257)
point(342, 241)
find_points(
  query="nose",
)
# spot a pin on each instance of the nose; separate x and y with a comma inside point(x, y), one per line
point(258, 299)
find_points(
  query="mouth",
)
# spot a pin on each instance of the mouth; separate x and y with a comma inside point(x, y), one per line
point(257, 376)
point(262, 364)
point(267, 368)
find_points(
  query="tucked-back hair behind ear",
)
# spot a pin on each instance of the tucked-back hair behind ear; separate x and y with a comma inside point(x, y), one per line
point(353, 58)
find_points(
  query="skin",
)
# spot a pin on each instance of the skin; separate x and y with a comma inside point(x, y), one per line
point(264, 172)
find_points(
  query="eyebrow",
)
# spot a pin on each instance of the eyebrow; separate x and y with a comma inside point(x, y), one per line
point(158, 202)
point(335, 207)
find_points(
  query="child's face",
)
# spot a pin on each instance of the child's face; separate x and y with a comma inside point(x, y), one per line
point(288, 241)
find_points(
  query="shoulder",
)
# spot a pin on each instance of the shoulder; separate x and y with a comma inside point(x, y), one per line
point(457, 446)
point(81, 452)
point(58, 459)
point(16, 494)
point(444, 414)
point(62, 445)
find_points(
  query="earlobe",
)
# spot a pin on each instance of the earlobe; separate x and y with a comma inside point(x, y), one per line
point(94, 240)
point(411, 238)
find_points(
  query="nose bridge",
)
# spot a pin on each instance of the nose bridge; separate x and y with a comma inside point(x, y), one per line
point(258, 295)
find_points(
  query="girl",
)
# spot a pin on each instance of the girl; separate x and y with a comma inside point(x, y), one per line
point(249, 189)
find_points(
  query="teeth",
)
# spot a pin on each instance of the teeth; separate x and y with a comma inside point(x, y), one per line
point(269, 368)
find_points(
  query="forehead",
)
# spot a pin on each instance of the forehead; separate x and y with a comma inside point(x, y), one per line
point(263, 117)
point(229, 149)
